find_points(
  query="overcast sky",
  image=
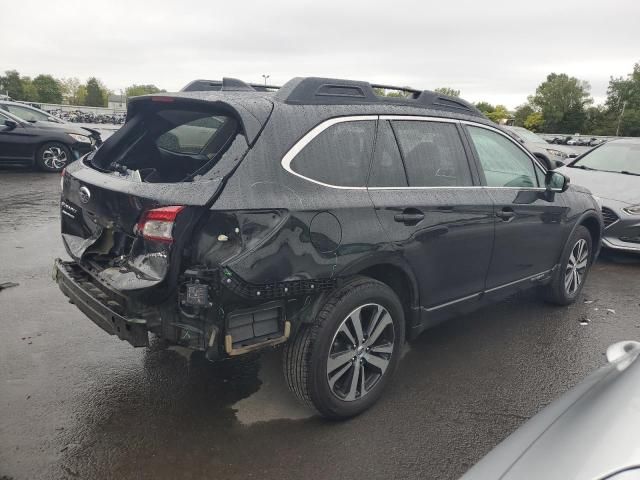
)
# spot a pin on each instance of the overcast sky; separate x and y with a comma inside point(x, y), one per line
point(491, 50)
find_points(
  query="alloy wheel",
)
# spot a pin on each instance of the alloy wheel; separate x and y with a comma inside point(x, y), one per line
point(54, 158)
point(576, 266)
point(360, 352)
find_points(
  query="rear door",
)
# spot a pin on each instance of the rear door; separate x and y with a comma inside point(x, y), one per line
point(427, 198)
point(529, 229)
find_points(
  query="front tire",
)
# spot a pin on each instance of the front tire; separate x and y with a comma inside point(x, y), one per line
point(568, 281)
point(341, 363)
point(53, 157)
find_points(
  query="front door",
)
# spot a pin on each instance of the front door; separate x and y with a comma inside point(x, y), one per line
point(529, 233)
point(427, 200)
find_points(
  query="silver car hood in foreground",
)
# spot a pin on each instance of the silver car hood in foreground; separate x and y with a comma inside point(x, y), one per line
point(590, 433)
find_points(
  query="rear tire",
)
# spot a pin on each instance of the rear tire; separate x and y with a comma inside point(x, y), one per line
point(53, 157)
point(328, 368)
point(567, 282)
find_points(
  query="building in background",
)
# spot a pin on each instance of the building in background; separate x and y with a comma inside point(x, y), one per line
point(117, 102)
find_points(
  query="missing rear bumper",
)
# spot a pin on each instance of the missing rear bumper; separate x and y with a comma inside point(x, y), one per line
point(82, 290)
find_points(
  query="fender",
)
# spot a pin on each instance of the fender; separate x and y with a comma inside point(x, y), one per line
point(591, 213)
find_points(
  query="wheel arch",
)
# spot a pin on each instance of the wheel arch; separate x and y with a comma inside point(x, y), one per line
point(403, 284)
point(593, 225)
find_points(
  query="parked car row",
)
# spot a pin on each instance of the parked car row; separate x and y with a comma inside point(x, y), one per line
point(78, 116)
point(31, 137)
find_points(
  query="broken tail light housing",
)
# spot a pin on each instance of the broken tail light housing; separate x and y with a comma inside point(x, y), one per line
point(157, 224)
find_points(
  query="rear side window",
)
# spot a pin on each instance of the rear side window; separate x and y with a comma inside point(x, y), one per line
point(339, 155)
point(504, 164)
point(433, 154)
point(387, 169)
point(167, 145)
point(191, 137)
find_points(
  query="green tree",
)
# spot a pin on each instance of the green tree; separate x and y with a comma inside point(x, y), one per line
point(521, 114)
point(485, 107)
point(381, 92)
point(534, 122)
point(623, 104)
point(135, 90)
point(29, 90)
point(96, 93)
point(562, 100)
point(48, 89)
point(500, 112)
point(70, 88)
point(452, 92)
point(10, 84)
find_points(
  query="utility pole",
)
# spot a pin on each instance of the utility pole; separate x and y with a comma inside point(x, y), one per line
point(265, 79)
point(624, 104)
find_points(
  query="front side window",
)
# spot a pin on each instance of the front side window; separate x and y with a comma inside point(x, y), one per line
point(433, 154)
point(504, 164)
point(339, 155)
point(27, 114)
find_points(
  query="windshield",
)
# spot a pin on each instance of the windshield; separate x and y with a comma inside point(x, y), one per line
point(527, 136)
point(618, 157)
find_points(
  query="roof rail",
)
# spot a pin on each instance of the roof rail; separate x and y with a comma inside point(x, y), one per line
point(329, 91)
point(227, 85)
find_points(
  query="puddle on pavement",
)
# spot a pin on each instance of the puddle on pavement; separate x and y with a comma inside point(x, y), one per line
point(273, 400)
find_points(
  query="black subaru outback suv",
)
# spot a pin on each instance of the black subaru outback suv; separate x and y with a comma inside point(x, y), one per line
point(321, 216)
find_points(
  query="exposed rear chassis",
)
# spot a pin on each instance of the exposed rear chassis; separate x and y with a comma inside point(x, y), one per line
point(76, 284)
point(108, 309)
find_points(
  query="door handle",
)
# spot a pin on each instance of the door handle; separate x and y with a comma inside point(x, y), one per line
point(506, 214)
point(409, 216)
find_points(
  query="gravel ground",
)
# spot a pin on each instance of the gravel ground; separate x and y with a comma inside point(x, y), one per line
point(77, 403)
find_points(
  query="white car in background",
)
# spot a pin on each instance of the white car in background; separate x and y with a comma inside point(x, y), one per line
point(552, 155)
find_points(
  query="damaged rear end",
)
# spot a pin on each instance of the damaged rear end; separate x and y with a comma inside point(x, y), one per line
point(130, 210)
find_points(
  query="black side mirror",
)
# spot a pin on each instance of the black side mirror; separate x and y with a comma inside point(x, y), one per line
point(556, 182)
point(10, 124)
point(559, 163)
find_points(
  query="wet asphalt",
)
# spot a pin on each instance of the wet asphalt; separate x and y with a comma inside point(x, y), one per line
point(77, 403)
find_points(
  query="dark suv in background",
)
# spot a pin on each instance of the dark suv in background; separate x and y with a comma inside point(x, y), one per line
point(321, 216)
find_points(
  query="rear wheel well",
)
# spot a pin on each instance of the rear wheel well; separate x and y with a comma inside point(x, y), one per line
point(398, 281)
point(593, 226)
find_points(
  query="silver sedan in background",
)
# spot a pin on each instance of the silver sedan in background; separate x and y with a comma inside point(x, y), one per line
point(612, 172)
point(552, 155)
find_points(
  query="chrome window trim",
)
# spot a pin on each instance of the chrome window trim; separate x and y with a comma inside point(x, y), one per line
point(313, 133)
point(532, 157)
point(321, 127)
point(413, 118)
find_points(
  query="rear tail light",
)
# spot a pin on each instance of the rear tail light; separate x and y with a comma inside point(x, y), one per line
point(157, 224)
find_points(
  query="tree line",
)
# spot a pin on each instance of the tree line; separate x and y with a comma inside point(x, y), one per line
point(560, 104)
point(563, 104)
point(47, 89)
